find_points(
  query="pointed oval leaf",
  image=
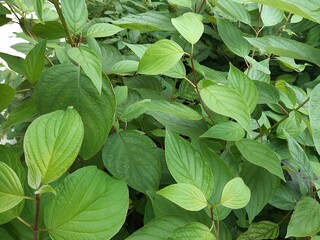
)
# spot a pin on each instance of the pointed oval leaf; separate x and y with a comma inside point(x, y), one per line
point(11, 191)
point(235, 10)
point(7, 93)
point(267, 93)
point(260, 231)
point(260, 155)
point(177, 71)
point(271, 16)
point(227, 102)
point(190, 26)
point(194, 230)
point(314, 113)
point(103, 30)
point(133, 157)
point(228, 131)
point(185, 195)
point(75, 13)
point(90, 62)
point(34, 62)
point(51, 144)
point(235, 194)
point(160, 57)
point(89, 205)
point(182, 3)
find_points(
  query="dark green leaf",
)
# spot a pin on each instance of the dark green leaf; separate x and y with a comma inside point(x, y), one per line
point(7, 94)
point(15, 63)
point(261, 230)
point(49, 30)
point(34, 62)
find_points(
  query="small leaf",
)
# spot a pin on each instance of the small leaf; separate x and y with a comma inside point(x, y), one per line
point(7, 94)
point(185, 195)
point(228, 131)
point(195, 231)
point(235, 10)
point(76, 14)
point(38, 8)
point(160, 57)
point(314, 112)
point(182, 3)
point(190, 26)
point(45, 189)
point(89, 62)
point(235, 194)
point(261, 230)
point(34, 62)
point(271, 16)
point(15, 63)
point(11, 191)
point(49, 30)
point(177, 71)
point(103, 30)
point(267, 93)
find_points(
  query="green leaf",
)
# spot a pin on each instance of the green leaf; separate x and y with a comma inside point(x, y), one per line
point(129, 155)
point(15, 63)
point(11, 191)
point(138, 49)
point(190, 26)
point(314, 113)
point(7, 94)
point(185, 195)
point(305, 220)
point(235, 10)
point(262, 188)
point(49, 30)
point(187, 165)
point(244, 85)
point(261, 230)
point(228, 131)
point(232, 37)
point(182, 3)
point(124, 67)
point(235, 194)
point(260, 155)
point(38, 8)
point(271, 16)
point(51, 144)
point(89, 205)
point(5, 235)
point(160, 57)
point(75, 13)
point(267, 93)
point(195, 231)
point(34, 62)
point(227, 102)
point(286, 48)
point(90, 62)
point(74, 89)
point(177, 71)
point(159, 228)
point(103, 30)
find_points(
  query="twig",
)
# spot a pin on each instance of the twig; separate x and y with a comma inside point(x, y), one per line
point(36, 218)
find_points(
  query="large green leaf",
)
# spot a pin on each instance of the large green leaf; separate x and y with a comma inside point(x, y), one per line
point(260, 231)
point(305, 220)
point(11, 191)
point(75, 13)
point(7, 94)
point(244, 85)
point(89, 205)
point(235, 10)
point(185, 195)
point(160, 57)
point(75, 89)
point(267, 93)
point(51, 144)
point(15, 63)
point(187, 165)
point(190, 26)
point(34, 62)
point(183, 3)
point(235, 194)
point(49, 30)
point(195, 231)
point(103, 30)
point(314, 113)
point(260, 155)
point(227, 102)
point(271, 16)
point(228, 131)
point(286, 48)
point(90, 62)
point(133, 157)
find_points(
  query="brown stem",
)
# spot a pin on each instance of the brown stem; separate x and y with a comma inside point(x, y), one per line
point(202, 3)
point(36, 218)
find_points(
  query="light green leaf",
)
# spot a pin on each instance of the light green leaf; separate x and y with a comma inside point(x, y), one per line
point(244, 85)
point(260, 155)
point(103, 30)
point(185, 195)
point(187, 165)
point(305, 220)
point(261, 230)
point(75, 13)
point(182, 3)
point(124, 67)
point(314, 113)
point(177, 71)
point(89, 62)
point(291, 64)
point(235, 10)
point(38, 8)
point(228, 131)
point(190, 26)
point(286, 48)
point(138, 49)
point(227, 102)
point(235, 194)
point(271, 16)
point(11, 191)
point(129, 155)
point(194, 230)
point(232, 37)
point(160, 57)
point(89, 205)
point(7, 94)
point(51, 144)
point(34, 62)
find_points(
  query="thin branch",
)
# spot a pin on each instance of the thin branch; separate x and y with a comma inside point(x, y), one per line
point(24, 222)
point(36, 218)
point(202, 3)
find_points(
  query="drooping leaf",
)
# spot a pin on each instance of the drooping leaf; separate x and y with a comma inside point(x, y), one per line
point(51, 144)
point(15, 63)
point(228, 131)
point(196, 231)
point(89, 205)
point(314, 113)
point(131, 156)
point(260, 155)
point(160, 57)
point(49, 30)
point(90, 62)
point(261, 230)
point(75, 13)
point(185, 195)
point(187, 165)
point(7, 94)
point(76, 89)
point(103, 30)
point(235, 10)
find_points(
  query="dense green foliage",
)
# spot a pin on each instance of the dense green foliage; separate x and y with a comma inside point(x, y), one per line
point(161, 119)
